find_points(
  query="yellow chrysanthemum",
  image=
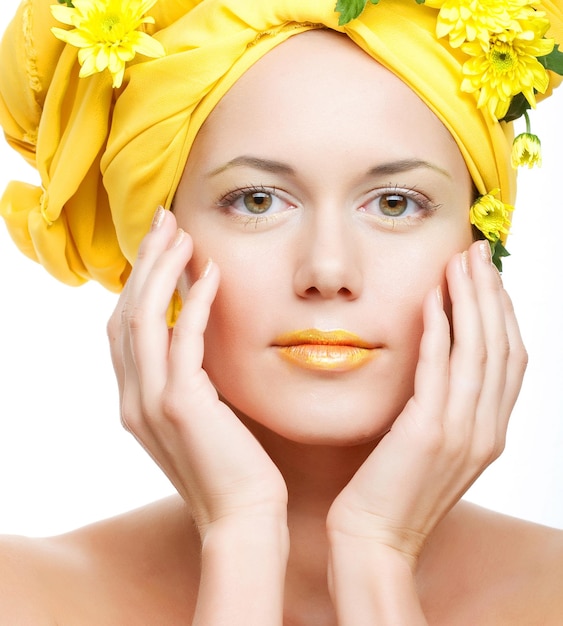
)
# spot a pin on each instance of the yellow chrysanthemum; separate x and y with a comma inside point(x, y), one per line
point(526, 150)
point(491, 216)
point(107, 34)
point(475, 20)
point(506, 67)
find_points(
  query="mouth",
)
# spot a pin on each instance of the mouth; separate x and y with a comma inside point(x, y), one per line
point(335, 350)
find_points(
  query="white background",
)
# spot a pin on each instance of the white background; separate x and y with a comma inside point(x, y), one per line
point(65, 461)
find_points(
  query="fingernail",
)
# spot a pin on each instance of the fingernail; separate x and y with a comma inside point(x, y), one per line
point(206, 269)
point(157, 218)
point(485, 251)
point(465, 263)
point(180, 234)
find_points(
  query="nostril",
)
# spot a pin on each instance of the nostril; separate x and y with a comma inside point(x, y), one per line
point(323, 274)
point(312, 291)
point(326, 291)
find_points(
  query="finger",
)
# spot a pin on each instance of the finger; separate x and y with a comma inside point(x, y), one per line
point(516, 365)
point(187, 345)
point(131, 318)
point(148, 329)
point(146, 342)
point(113, 331)
point(159, 238)
point(487, 437)
point(469, 354)
point(432, 371)
point(488, 286)
point(152, 245)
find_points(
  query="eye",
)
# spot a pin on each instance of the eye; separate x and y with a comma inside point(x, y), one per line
point(255, 201)
point(397, 203)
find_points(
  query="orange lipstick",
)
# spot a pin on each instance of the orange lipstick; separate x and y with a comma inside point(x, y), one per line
point(335, 350)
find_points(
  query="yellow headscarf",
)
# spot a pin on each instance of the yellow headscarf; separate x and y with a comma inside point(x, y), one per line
point(108, 157)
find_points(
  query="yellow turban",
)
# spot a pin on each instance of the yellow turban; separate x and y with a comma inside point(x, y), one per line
point(107, 157)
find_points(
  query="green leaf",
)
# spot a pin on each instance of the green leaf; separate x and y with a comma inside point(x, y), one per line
point(517, 108)
point(67, 2)
point(349, 10)
point(553, 61)
point(498, 251)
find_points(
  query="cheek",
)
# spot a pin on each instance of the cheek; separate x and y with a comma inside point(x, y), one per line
point(241, 317)
point(397, 296)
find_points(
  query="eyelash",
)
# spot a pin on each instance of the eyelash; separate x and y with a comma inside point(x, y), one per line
point(425, 205)
point(228, 200)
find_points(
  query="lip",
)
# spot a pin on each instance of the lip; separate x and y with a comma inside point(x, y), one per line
point(335, 350)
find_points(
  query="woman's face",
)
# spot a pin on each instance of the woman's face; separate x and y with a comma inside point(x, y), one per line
point(331, 199)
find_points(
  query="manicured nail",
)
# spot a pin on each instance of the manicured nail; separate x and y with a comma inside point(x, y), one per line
point(485, 251)
point(206, 269)
point(180, 234)
point(157, 218)
point(465, 263)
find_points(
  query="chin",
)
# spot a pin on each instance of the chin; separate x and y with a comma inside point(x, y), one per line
point(330, 425)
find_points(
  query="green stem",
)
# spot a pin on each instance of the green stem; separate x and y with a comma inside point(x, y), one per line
point(528, 125)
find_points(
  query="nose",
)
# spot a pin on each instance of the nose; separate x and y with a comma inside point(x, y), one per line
point(328, 263)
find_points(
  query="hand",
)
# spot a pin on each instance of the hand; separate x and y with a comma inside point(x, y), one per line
point(167, 400)
point(455, 424)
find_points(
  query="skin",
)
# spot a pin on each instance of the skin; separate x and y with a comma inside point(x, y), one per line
point(310, 496)
point(327, 257)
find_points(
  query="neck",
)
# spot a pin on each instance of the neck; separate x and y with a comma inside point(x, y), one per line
point(314, 475)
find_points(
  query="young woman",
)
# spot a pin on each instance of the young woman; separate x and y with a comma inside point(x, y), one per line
point(345, 360)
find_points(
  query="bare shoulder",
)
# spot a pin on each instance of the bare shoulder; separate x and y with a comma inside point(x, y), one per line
point(24, 598)
point(494, 569)
point(137, 568)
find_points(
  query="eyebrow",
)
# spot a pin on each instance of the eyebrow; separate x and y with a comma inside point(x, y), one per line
point(277, 167)
point(405, 165)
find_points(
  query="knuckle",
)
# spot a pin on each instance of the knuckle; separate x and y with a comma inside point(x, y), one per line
point(434, 438)
point(520, 356)
point(127, 419)
point(134, 420)
point(113, 328)
point(481, 354)
point(115, 321)
point(502, 347)
point(125, 424)
point(498, 448)
point(144, 248)
point(135, 317)
point(488, 450)
point(173, 408)
point(131, 414)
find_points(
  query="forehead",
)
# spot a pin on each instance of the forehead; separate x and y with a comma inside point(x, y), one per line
point(319, 90)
